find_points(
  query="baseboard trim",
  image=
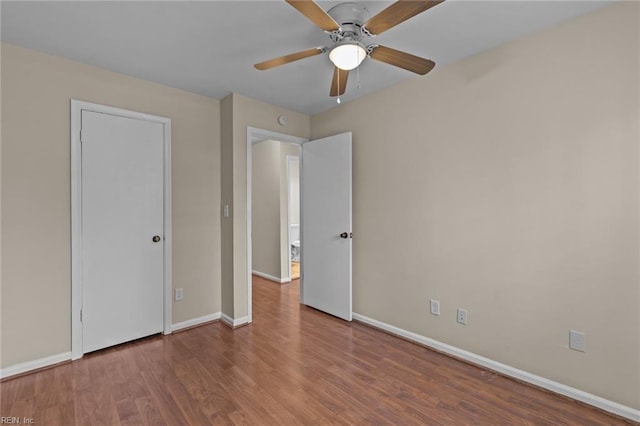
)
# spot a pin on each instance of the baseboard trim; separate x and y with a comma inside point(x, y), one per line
point(196, 321)
point(234, 322)
point(559, 388)
point(32, 366)
point(270, 277)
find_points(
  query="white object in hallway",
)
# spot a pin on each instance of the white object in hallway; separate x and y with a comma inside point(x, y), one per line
point(294, 241)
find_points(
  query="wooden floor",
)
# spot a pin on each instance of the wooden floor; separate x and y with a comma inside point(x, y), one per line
point(295, 270)
point(293, 365)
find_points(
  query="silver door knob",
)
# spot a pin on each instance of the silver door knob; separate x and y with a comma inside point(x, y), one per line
point(156, 238)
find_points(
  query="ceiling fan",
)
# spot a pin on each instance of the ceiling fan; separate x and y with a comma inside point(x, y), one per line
point(349, 27)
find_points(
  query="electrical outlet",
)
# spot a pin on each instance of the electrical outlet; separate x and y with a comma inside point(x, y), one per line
point(434, 306)
point(462, 316)
point(178, 294)
point(577, 340)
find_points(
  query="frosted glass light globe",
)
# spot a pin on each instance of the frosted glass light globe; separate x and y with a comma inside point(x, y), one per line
point(347, 56)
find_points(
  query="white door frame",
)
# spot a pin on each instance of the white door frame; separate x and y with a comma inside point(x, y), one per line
point(255, 135)
point(291, 158)
point(76, 213)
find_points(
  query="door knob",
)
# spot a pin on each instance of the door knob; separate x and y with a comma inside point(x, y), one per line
point(344, 235)
point(156, 238)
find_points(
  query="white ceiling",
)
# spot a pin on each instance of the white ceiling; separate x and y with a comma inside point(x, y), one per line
point(209, 47)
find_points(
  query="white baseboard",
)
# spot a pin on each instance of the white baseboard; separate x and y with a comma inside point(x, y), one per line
point(25, 367)
point(270, 277)
point(587, 398)
point(195, 321)
point(235, 322)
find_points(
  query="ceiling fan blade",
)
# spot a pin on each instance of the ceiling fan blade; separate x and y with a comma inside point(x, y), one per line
point(339, 82)
point(397, 13)
point(275, 62)
point(315, 14)
point(403, 60)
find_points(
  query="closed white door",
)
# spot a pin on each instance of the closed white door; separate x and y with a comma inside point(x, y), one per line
point(122, 226)
point(326, 225)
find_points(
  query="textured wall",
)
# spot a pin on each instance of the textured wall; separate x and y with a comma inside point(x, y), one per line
point(36, 206)
point(247, 112)
point(507, 184)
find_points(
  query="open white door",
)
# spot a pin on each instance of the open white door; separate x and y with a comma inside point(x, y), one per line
point(326, 225)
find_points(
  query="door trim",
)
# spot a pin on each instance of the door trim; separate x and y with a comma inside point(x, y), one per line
point(77, 107)
point(255, 135)
point(290, 159)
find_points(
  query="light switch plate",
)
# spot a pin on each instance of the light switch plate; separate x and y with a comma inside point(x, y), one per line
point(179, 294)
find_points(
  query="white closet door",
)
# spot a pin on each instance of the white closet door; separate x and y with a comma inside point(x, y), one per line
point(122, 229)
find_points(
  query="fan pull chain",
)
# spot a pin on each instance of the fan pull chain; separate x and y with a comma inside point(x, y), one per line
point(338, 100)
point(358, 73)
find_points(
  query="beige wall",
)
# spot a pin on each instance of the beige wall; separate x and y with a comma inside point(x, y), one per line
point(245, 112)
point(1, 209)
point(265, 208)
point(226, 223)
point(507, 184)
point(36, 276)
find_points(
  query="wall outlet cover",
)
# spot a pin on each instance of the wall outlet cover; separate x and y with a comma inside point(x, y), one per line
point(577, 341)
point(434, 306)
point(462, 316)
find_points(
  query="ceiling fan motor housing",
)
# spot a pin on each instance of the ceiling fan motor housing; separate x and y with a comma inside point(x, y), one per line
point(351, 17)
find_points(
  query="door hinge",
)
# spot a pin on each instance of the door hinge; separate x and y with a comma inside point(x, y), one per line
point(80, 315)
point(81, 135)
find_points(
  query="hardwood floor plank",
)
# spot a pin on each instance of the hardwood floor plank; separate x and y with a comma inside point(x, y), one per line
point(292, 366)
point(149, 412)
point(128, 413)
point(176, 402)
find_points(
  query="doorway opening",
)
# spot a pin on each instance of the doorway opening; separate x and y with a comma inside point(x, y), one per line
point(325, 221)
point(293, 223)
point(254, 137)
point(275, 210)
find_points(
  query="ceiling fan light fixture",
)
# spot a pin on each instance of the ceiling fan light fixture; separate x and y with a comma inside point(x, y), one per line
point(347, 56)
